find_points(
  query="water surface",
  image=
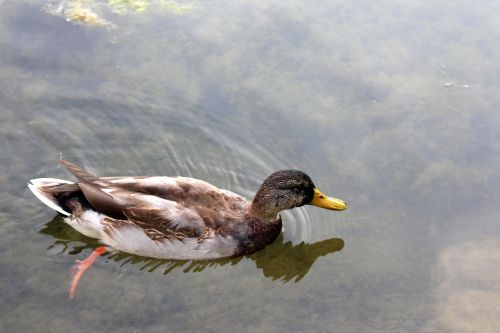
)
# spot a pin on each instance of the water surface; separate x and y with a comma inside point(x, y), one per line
point(389, 105)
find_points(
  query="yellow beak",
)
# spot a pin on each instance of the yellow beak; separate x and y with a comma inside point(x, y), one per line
point(323, 201)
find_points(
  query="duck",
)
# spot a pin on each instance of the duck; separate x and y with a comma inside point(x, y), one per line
point(178, 218)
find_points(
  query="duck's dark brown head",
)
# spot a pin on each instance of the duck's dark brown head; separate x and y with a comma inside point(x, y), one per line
point(286, 189)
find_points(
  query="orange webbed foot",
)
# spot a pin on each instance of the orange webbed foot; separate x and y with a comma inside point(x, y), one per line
point(80, 267)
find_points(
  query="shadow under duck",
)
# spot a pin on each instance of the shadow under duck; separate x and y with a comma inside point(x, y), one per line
point(177, 217)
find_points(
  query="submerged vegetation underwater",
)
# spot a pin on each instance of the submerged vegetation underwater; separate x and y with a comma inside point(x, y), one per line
point(392, 105)
point(89, 11)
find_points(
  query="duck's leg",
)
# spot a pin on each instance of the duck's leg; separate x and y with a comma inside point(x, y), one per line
point(80, 267)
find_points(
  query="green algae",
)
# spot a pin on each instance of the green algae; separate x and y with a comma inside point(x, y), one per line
point(136, 6)
point(126, 6)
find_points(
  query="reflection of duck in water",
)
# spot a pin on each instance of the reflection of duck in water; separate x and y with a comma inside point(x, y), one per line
point(281, 260)
point(177, 218)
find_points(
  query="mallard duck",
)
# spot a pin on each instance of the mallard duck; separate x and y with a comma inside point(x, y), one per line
point(177, 217)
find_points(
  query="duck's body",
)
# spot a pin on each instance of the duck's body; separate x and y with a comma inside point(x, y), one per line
point(176, 217)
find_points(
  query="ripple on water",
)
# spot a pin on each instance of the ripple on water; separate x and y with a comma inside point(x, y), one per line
point(110, 137)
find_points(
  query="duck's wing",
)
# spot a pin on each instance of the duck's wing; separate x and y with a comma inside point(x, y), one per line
point(148, 211)
point(171, 188)
point(216, 207)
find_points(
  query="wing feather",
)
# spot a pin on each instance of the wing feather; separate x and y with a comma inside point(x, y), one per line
point(145, 210)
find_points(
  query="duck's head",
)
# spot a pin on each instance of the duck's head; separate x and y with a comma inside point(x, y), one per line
point(286, 189)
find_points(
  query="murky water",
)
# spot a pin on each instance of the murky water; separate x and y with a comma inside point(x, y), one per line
point(390, 105)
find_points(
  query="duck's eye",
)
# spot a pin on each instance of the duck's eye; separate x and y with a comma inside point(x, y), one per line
point(321, 196)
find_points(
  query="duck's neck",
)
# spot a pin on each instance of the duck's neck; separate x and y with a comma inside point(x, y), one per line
point(270, 200)
point(264, 211)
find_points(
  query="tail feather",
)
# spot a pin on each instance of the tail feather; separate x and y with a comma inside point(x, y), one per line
point(82, 175)
point(36, 186)
point(48, 181)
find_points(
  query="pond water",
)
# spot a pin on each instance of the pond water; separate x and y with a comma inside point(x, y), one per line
point(390, 105)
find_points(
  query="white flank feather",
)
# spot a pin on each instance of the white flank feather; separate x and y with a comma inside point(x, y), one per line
point(88, 223)
point(132, 239)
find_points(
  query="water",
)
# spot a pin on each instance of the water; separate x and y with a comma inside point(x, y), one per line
point(390, 105)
